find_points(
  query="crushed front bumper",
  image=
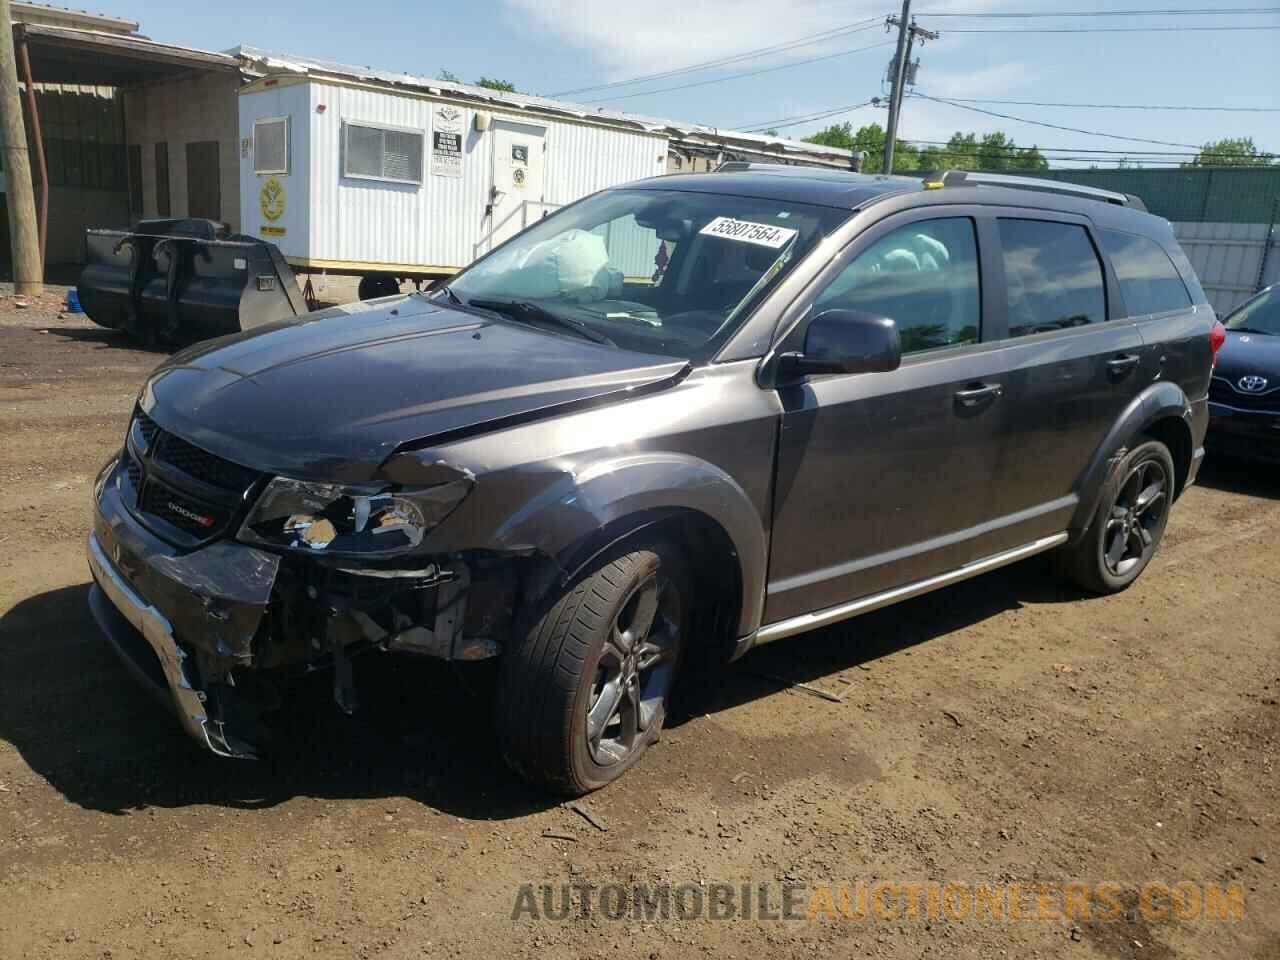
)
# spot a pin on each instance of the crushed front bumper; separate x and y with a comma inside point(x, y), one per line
point(126, 619)
point(180, 621)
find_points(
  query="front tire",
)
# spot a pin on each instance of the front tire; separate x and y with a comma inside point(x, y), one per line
point(1129, 524)
point(584, 692)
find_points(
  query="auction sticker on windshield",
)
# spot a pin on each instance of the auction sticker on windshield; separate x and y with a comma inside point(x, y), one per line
point(761, 234)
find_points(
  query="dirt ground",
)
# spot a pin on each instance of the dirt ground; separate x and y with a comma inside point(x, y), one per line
point(1007, 730)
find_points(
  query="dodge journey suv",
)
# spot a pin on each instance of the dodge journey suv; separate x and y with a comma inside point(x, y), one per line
point(689, 415)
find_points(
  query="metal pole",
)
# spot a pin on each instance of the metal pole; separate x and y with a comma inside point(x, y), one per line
point(41, 167)
point(895, 92)
point(28, 277)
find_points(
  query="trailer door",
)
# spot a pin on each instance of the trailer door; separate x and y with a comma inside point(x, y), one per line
point(518, 155)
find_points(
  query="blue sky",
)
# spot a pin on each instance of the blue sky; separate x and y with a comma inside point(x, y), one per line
point(547, 47)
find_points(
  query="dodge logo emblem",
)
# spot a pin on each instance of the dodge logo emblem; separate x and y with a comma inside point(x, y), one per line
point(200, 518)
point(1253, 383)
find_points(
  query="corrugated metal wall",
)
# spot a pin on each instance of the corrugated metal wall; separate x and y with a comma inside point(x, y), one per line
point(1226, 219)
point(1232, 260)
point(442, 221)
point(582, 160)
point(290, 101)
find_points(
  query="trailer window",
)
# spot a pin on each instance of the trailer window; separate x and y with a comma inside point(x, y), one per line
point(381, 153)
point(271, 145)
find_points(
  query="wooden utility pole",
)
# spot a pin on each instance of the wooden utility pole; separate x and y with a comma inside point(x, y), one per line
point(895, 91)
point(908, 31)
point(24, 234)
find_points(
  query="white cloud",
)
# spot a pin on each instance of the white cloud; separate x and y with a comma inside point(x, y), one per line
point(926, 120)
point(996, 80)
point(635, 39)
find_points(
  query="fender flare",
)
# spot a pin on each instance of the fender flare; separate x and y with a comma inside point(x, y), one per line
point(589, 507)
point(1160, 401)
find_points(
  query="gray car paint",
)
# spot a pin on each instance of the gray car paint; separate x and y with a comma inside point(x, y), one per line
point(797, 464)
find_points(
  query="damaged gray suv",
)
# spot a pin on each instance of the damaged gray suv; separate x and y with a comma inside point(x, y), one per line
point(681, 417)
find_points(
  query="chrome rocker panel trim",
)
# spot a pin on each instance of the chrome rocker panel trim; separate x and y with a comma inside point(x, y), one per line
point(821, 618)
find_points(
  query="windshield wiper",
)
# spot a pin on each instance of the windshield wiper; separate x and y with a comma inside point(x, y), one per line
point(525, 312)
point(453, 297)
point(1265, 333)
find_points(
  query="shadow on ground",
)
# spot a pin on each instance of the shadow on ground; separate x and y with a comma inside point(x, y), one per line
point(79, 720)
point(1247, 477)
point(108, 339)
point(809, 657)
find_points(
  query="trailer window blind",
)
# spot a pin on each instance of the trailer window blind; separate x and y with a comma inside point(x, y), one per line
point(271, 145)
point(381, 154)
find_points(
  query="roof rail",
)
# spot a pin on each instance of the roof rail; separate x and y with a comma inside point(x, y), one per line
point(956, 178)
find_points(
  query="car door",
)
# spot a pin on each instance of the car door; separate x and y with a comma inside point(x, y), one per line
point(881, 477)
point(1074, 363)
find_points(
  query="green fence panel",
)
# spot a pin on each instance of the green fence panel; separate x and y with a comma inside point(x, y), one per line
point(1210, 195)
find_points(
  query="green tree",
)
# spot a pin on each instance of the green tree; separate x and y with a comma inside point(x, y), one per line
point(870, 138)
point(488, 82)
point(994, 151)
point(1231, 152)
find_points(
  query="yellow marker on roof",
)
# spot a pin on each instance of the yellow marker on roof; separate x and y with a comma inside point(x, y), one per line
point(933, 184)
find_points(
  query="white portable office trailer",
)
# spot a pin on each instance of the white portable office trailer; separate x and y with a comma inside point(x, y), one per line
point(362, 172)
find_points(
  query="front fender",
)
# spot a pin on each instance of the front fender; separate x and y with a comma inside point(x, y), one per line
point(586, 500)
point(1160, 401)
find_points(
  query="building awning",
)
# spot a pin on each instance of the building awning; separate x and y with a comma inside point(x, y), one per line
point(66, 55)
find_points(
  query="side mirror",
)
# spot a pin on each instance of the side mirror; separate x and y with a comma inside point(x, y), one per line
point(844, 341)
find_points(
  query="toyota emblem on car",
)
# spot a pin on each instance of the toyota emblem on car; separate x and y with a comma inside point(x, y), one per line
point(1253, 383)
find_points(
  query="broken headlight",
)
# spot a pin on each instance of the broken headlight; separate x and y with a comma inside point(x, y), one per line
point(332, 518)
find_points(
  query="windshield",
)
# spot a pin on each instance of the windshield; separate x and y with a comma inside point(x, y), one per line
point(1259, 316)
point(660, 271)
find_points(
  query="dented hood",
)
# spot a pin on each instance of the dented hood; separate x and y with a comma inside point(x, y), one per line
point(332, 394)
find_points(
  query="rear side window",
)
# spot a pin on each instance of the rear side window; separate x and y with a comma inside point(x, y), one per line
point(924, 276)
point(1053, 275)
point(1149, 282)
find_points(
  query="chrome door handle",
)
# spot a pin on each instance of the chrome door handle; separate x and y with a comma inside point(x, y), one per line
point(1122, 364)
point(978, 393)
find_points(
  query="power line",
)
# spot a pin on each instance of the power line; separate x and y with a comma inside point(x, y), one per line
point(1087, 158)
point(1117, 106)
point(795, 120)
point(1053, 126)
point(807, 40)
point(739, 76)
point(1148, 12)
point(1107, 29)
point(823, 114)
point(1092, 150)
point(1017, 149)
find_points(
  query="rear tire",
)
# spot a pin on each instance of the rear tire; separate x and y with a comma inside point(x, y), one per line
point(584, 691)
point(1129, 523)
point(374, 285)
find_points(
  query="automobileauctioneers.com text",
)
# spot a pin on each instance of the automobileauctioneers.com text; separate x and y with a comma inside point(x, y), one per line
point(1156, 901)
